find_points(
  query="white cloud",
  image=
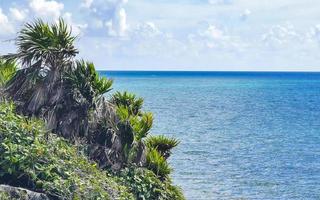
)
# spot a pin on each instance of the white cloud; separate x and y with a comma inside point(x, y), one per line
point(146, 30)
point(220, 2)
point(281, 36)
point(6, 27)
point(117, 25)
point(120, 22)
point(46, 9)
point(244, 16)
point(97, 23)
point(86, 3)
point(18, 14)
point(314, 34)
point(110, 29)
point(214, 39)
point(212, 32)
point(108, 14)
point(76, 28)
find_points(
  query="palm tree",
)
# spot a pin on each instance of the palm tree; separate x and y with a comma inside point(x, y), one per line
point(129, 101)
point(51, 84)
point(162, 144)
point(68, 95)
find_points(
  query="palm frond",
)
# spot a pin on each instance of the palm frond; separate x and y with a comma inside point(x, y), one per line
point(41, 41)
point(123, 113)
point(7, 71)
point(141, 125)
point(162, 144)
point(86, 79)
point(126, 99)
point(158, 164)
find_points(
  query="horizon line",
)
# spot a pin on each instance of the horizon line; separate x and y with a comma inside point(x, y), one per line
point(251, 71)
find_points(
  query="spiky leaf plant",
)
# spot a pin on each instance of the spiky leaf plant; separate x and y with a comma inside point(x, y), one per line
point(7, 71)
point(32, 158)
point(86, 81)
point(162, 144)
point(158, 164)
point(141, 125)
point(128, 100)
point(49, 44)
point(44, 52)
point(51, 84)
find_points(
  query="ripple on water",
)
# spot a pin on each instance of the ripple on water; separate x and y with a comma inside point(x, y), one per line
point(241, 138)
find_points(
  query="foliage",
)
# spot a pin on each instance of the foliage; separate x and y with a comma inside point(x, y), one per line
point(162, 144)
point(129, 101)
point(85, 79)
point(51, 84)
point(5, 195)
point(7, 71)
point(158, 147)
point(158, 164)
point(50, 44)
point(68, 95)
point(45, 52)
point(141, 125)
point(141, 122)
point(145, 185)
point(32, 158)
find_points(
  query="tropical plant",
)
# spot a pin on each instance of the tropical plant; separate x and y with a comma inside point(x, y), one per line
point(158, 164)
point(144, 184)
point(7, 71)
point(51, 45)
point(162, 144)
point(51, 84)
point(68, 96)
point(44, 52)
point(128, 100)
point(141, 125)
point(84, 79)
point(32, 158)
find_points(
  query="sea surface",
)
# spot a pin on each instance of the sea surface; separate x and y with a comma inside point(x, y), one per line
point(243, 135)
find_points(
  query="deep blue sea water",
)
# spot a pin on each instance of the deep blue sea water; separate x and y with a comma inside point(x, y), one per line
point(243, 135)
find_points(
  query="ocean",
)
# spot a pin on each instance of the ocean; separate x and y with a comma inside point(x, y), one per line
point(244, 135)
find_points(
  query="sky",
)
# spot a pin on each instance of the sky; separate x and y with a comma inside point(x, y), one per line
point(213, 35)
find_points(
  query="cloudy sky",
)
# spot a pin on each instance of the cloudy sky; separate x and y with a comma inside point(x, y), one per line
point(181, 34)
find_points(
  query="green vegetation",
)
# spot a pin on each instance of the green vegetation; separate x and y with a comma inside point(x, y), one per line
point(85, 79)
point(60, 136)
point(7, 71)
point(162, 144)
point(158, 147)
point(144, 184)
point(129, 101)
point(33, 158)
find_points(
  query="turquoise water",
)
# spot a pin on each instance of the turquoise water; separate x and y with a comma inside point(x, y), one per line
point(243, 135)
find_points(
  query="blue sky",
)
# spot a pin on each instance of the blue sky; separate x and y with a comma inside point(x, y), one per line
point(258, 35)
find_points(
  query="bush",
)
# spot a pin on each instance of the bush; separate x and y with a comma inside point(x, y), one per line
point(158, 164)
point(7, 71)
point(144, 184)
point(32, 158)
point(162, 144)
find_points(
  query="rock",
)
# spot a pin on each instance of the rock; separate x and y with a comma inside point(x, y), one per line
point(10, 192)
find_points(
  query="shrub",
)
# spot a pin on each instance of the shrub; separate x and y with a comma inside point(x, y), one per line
point(33, 158)
point(86, 80)
point(144, 184)
point(162, 144)
point(129, 101)
point(7, 71)
point(158, 164)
